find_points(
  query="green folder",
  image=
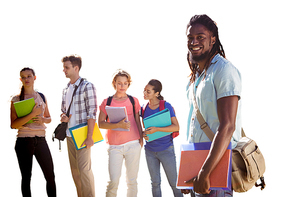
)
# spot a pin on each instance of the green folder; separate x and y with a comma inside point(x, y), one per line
point(24, 108)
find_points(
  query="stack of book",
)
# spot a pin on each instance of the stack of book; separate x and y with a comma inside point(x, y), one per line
point(159, 119)
point(192, 158)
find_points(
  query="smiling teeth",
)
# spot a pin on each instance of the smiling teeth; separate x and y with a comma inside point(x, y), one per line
point(196, 48)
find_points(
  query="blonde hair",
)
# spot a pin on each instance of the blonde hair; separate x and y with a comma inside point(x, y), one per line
point(121, 73)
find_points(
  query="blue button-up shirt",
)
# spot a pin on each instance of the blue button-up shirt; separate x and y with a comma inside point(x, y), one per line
point(222, 80)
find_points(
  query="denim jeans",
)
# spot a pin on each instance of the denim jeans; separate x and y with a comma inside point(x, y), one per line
point(25, 149)
point(213, 193)
point(168, 160)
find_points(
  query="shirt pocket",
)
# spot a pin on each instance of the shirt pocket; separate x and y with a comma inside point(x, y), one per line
point(206, 91)
point(129, 109)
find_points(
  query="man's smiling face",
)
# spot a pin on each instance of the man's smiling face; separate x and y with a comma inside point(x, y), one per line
point(199, 42)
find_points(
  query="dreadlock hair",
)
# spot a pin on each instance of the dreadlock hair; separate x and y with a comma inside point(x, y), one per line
point(22, 94)
point(217, 48)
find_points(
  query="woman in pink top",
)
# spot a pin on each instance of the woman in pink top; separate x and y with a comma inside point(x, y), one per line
point(31, 136)
point(123, 144)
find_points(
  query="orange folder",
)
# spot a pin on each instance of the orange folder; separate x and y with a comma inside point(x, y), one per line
point(191, 160)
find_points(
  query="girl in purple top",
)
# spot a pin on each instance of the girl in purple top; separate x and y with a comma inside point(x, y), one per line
point(160, 150)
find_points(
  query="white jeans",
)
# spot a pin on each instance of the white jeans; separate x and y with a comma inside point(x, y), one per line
point(131, 153)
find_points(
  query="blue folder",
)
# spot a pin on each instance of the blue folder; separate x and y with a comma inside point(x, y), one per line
point(159, 119)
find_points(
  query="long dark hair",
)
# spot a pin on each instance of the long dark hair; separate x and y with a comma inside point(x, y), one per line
point(157, 87)
point(22, 94)
point(217, 48)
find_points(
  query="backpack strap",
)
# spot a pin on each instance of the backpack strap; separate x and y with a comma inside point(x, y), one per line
point(109, 100)
point(108, 104)
point(42, 96)
point(161, 105)
point(133, 103)
point(143, 109)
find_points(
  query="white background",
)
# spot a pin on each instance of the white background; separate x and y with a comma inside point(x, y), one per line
point(147, 39)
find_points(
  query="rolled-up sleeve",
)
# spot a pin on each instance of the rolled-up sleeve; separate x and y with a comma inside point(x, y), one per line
point(227, 81)
point(91, 101)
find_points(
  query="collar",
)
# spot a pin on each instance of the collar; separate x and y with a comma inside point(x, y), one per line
point(76, 83)
point(215, 59)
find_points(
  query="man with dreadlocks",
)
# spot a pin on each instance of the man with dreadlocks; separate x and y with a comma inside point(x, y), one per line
point(215, 84)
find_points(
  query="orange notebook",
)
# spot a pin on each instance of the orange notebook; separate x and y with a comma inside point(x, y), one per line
point(191, 160)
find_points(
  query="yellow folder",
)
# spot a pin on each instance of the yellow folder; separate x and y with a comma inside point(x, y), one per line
point(79, 134)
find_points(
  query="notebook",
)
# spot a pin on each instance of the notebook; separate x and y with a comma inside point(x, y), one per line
point(192, 158)
point(24, 107)
point(159, 119)
point(79, 134)
point(116, 114)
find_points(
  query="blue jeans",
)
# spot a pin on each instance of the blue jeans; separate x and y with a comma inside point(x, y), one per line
point(213, 193)
point(168, 160)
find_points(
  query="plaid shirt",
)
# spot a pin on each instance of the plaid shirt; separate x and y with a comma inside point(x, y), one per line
point(84, 101)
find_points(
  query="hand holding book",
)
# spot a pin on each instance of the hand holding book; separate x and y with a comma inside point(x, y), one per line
point(153, 124)
point(200, 183)
point(118, 117)
point(37, 110)
point(151, 130)
point(27, 110)
point(79, 135)
point(190, 175)
point(124, 124)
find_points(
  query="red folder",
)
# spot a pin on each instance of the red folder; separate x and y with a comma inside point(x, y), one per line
point(191, 160)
